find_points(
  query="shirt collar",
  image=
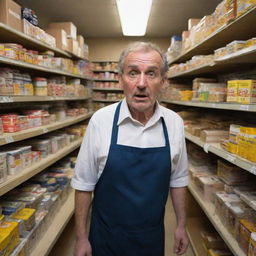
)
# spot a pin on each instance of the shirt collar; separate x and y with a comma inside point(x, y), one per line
point(126, 114)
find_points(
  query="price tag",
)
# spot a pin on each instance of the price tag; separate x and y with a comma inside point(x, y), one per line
point(206, 147)
point(6, 99)
point(9, 139)
point(244, 107)
point(213, 105)
point(45, 130)
point(253, 170)
point(231, 158)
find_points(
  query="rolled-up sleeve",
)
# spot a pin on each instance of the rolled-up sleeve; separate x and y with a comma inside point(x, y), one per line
point(85, 174)
point(179, 174)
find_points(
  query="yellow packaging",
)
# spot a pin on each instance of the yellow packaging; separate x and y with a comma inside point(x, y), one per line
point(29, 89)
point(242, 142)
point(1, 217)
point(245, 230)
point(5, 240)
point(232, 91)
point(232, 147)
point(247, 91)
point(251, 149)
point(244, 5)
point(251, 42)
point(27, 215)
point(213, 252)
point(252, 245)
point(12, 231)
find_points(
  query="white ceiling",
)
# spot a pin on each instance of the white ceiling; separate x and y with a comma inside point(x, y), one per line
point(99, 18)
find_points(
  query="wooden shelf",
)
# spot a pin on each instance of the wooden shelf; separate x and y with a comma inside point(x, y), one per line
point(215, 105)
point(217, 150)
point(12, 35)
point(194, 226)
point(58, 223)
point(105, 80)
point(29, 133)
point(235, 30)
point(224, 64)
point(15, 180)
point(29, 66)
point(103, 100)
point(102, 70)
point(107, 89)
point(10, 99)
point(209, 210)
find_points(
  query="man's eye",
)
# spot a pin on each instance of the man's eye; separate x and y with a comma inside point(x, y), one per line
point(151, 74)
point(133, 73)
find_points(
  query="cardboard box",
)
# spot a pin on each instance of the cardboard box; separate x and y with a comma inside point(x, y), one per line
point(69, 27)
point(192, 22)
point(247, 91)
point(80, 40)
point(60, 36)
point(10, 14)
point(72, 46)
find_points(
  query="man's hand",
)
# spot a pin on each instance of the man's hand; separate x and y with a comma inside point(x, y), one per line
point(181, 241)
point(83, 248)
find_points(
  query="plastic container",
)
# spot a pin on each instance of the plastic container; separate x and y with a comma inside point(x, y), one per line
point(40, 86)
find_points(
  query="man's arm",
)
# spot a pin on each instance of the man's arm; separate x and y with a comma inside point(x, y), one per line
point(82, 206)
point(178, 196)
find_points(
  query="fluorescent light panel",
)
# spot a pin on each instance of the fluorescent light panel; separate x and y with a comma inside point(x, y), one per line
point(134, 16)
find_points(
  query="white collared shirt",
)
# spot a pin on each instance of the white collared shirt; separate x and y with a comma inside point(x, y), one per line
point(94, 150)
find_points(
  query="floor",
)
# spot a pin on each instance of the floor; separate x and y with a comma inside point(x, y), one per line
point(65, 244)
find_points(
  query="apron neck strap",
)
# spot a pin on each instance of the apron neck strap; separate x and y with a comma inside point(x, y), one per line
point(115, 128)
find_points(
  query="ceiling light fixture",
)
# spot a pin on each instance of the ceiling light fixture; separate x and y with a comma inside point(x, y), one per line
point(134, 16)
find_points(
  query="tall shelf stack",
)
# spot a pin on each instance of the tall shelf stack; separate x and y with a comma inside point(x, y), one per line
point(58, 114)
point(106, 89)
point(241, 64)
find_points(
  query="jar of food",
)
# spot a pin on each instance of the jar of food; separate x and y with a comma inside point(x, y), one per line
point(40, 86)
point(11, 51)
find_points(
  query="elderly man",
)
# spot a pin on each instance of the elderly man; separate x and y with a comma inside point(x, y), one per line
point(132, 155)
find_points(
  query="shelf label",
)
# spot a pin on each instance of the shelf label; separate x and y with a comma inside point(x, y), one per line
point(206, 147)
point(244, 107)
point(6, 99)
point(45, 130)
point(213, 105)
point(9, 139)
point(231, 158)
point(253, 170)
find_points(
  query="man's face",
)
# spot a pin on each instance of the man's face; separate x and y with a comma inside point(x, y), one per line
point(142, 80)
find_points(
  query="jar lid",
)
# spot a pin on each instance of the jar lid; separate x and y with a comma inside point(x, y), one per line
point(40, 79)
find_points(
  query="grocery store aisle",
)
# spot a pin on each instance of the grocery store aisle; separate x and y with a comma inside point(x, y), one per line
point(65, 244)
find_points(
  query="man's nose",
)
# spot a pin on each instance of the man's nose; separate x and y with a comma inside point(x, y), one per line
point(142, 81)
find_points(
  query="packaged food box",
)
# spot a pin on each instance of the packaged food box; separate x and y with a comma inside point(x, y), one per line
point(249, 197)
point(21, 225)
point(247, 91)
point(246, 227)
point(235, 212)
point(28, 216)
point(3, 167)
point(244, 5)
point(221, 198)
point(234, 130)
point(209, 185)
point(213, 136)
point(230, 173)
point(235, 46)
point(5, 241)
point(212, 240)
point(252, 245)
point(232, 91)
point(12, 230)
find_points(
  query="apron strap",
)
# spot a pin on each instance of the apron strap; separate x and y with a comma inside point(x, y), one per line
point(115, 128)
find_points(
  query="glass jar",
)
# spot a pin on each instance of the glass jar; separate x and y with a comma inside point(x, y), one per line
point(40, 86)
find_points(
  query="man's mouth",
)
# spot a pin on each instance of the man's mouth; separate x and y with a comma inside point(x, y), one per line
point(141, 96)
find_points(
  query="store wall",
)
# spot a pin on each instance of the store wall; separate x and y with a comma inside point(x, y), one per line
point(109, 49)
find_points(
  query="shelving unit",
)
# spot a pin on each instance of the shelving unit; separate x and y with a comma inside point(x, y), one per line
point(241, 28)
point(107, 89)
point(107, 101)
point(215, 105)
point(209, 210)
point(29, 133)
point(235, 30)
point(15, 180)
point(223, 64)
point(105, 80)
point(12, 35)
point(10, 99)
point(59, 222)
point(29, 66)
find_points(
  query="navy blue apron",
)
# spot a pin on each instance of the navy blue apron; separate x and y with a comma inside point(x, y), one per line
point(129, 199)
